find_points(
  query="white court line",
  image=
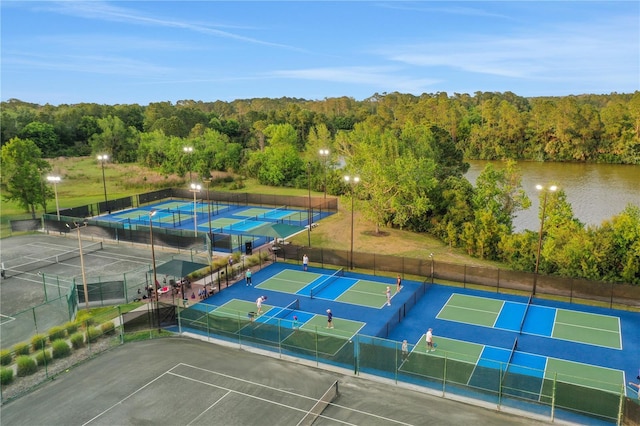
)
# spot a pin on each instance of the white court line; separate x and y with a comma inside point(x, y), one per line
point(208, 408)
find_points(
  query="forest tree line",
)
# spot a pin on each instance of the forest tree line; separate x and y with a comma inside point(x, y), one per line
point(409, 152)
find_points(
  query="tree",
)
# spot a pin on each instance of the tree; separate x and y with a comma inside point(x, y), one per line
point(116, 139)
point(43, 135)
point(23, 172)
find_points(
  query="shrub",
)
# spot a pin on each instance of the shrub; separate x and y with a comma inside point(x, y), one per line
point(21, 349)
point(108, 328)
point(6, 376)
point(57, 332)
point(60, 348)
point(77, 340)
point(38, 342)
point(93, 333)
point(5, 357)
point(26, 365)
point(71, 327)
point(43, 357)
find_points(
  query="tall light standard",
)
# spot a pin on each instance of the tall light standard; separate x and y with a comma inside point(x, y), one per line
point(552, 188)
point(431, 257)
point(103, 158)
point(324, 153)
point(208, 181)
point(195, 188)
point(84, 277)
point(189, 150)
point(310, 213)
point(352, 181)
point(55, 180)
point(153, 265)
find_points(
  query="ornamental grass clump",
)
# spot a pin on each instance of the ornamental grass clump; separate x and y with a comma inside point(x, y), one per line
point(38, 342)
point(26, 365)
point(93, 333)
point(6, 376)
point(57, 332)
point(5, 357)
point(71, 327)
point(43, 357)
point(21, 349)
point(108, 328)
point(60, 348)
point(77, 340)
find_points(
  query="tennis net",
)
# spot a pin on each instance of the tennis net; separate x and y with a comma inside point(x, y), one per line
point(52, 260)
point(525, 313)
point(288, 310)
point(329, 396)
point(319, 287)
point(275, 214)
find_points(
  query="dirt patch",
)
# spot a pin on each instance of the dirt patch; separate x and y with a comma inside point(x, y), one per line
point(376, 234)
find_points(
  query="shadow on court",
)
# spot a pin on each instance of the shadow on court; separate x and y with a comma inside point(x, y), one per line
point(180, 381)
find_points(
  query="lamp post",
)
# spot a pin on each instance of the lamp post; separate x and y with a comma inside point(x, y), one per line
point(324, 153)
point(552, 188)
point(195, 188)
point(153, 266)
point(310, 212)
point(84, 277)
point(208, 181)
point(103, 158)
point(352, 181)
point(55, 180)
point(431, 257)
point(188, 150)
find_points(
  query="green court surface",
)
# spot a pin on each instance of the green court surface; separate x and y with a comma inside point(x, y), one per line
point(223, 222)
point(289, 281)
point(589, 328)
point(471, 309)
point(586, 375)
point(575, 326)
point(366, 293)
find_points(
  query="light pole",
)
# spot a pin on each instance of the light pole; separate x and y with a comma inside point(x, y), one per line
point(195, 188)
point(431, 256)
point(552, 188)
point(310, 213)
point(84, 277)
point(352, 181)
point(208, 181)
point(324, 153)
point(153, 265)
point(188, 150)
point(55, 180)
point(102, 158)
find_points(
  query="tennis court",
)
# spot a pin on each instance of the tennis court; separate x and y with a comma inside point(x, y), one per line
point(583, 327)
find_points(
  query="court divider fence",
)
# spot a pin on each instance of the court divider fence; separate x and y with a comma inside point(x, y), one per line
point(572, 290)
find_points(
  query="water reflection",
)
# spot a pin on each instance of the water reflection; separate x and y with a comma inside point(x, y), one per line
point(596, 192)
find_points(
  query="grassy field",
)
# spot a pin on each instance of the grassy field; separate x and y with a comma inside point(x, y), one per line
point(82, 184)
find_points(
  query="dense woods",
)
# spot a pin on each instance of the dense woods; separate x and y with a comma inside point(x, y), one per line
point(409, 151)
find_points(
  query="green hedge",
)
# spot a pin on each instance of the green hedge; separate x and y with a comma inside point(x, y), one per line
point(26, 365)
point(108, 328)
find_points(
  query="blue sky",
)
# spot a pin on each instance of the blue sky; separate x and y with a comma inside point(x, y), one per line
point(124, 52)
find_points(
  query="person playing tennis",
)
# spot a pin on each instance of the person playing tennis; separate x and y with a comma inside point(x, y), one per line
point(429, 339)
point(388, 293)
point(259, 303)
point(329, 318)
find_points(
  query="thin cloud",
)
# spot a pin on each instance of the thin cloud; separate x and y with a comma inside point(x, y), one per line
point(449, 10)
point(103, 11)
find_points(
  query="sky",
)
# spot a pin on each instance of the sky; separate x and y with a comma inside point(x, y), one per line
point(139, 52)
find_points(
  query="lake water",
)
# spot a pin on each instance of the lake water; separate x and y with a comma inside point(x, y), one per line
point(596, 192)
